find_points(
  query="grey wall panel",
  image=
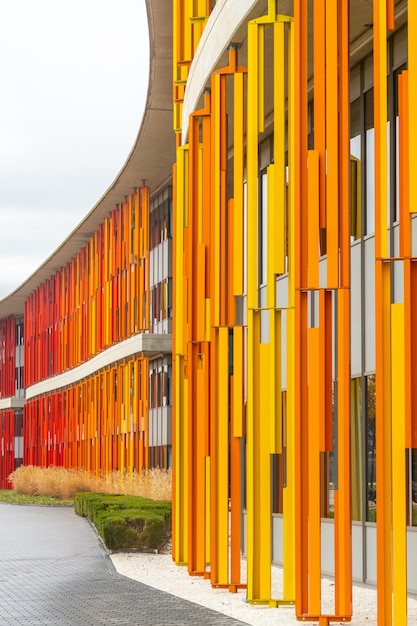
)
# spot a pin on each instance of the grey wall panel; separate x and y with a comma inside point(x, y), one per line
point(370, 531)
point(169, 260)
point(355, 307)
point(165, 267)
point(398, 281)
point(411, 560)
point(160, 249)
point(357, 551)
point(151, 267)
point(282, 292)
point(159, 422)
point(150, 428)
point(18, 447)
point(168, 411)
point(277, 533)
point(327, 547)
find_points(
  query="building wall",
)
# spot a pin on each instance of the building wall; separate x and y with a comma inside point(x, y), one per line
point(294, 244)
point(97, 420)
point(11, 394)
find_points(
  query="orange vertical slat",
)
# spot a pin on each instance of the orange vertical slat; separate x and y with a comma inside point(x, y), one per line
point(299, 189)
point(320, 101)
point(332, 144)
point(313, 219)
point(313, 434)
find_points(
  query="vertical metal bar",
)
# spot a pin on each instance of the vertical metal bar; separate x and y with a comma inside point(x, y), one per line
point(313, 219)
point(314, 525)
point(399, 521)
point(300, 301)
point(320, 101)
point(332, 145)
point(238, 149)
point(276, 252)
point(343, 547)
point(216, 194)
point(412, 94)
point(382, 323)
point(289, 488)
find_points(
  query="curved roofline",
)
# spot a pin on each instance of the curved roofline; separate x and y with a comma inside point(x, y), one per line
point(150, 159)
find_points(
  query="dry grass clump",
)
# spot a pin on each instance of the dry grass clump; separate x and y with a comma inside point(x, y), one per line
point(156, 484)
point(56, 482)
point(63, 483)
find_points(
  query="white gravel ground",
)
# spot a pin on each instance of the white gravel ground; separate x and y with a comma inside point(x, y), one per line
point(159, 571)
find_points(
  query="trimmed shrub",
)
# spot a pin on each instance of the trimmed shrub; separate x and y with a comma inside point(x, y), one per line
point(126, 522)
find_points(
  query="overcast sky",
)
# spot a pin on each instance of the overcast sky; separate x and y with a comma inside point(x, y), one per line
point(74, 76)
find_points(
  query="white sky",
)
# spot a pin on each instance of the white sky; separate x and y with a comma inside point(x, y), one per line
point(73, 83)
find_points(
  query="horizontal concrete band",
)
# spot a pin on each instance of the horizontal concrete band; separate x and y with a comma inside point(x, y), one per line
point(148, 345)
point(11, 403)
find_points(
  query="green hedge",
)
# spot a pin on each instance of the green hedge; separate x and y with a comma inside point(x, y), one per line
point(126, 522)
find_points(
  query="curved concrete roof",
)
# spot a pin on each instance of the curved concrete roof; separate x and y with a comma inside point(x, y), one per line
point(150, 159)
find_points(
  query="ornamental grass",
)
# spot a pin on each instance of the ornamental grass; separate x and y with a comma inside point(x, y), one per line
point(61, 483)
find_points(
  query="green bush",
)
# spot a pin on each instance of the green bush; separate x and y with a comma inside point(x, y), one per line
point(126, 522)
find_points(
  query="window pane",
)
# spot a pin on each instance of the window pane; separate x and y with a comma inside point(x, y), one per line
point(371, 447)
point(356, 452)
point(414, 485)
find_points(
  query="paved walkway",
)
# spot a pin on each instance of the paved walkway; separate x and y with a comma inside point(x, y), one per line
point(54, 571)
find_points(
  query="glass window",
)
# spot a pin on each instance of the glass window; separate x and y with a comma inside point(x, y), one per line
point(414, 487)
point(278, 462)
point(356, 168)
point(371, 448)
point(356, 450)
point(329, 466)
point(370, 173)
point(263, 230)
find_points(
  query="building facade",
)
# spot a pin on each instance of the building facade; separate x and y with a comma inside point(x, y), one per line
point(86, 342)
point(247, 317)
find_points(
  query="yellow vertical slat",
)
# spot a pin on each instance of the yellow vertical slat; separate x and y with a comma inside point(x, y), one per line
point(260, 87)
point(263, 509)
point(252, 168)
point(181, 392)
point(216, 195)
point(399, 478)
point(412, 94)
point(181, 202)
point(275, 381)
point(382, 323)
point(383, 443)
point(258, 476)
point(250, 461)
point(272, 244)
point(222, 455)
point(380, 124)
point(278, 250)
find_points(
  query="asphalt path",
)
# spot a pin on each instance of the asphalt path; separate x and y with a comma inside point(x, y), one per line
point(54, 570)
